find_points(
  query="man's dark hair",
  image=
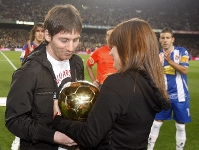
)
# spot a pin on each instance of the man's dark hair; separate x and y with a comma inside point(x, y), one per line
point(64, 18)
point(167, 30)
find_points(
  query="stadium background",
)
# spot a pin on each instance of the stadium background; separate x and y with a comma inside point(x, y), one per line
point(18, 16)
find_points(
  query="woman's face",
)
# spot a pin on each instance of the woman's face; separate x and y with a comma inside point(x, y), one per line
point(116, 58)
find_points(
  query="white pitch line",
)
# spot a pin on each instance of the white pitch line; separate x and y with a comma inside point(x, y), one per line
point(9, 61)
point(3, 99)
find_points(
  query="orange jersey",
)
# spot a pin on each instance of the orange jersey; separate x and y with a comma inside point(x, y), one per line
point(104, 63)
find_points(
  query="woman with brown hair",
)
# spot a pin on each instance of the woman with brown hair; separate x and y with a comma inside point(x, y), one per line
point(129, 99)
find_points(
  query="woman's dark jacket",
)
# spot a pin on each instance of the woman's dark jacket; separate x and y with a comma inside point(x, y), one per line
point(29, 107)
point(121, 117)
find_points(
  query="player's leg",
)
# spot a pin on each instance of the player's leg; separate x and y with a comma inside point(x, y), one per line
point(181, 116)
point(180, 136)
point(155, 128)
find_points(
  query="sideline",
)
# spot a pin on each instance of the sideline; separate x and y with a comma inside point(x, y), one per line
point(3, 99)
point(8, 60)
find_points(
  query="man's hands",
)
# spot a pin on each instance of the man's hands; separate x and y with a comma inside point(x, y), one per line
point(96, 83)
point(63, 139)
point(165, 55)
point(56, 108)
point(59, 137)
point(29, 46)
point(161, 56)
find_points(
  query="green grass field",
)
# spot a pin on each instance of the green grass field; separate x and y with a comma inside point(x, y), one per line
point(166, 140)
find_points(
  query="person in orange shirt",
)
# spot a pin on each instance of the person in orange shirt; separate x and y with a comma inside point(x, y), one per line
point(104, 63)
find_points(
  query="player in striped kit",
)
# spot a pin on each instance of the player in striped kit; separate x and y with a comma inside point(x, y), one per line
point(35, 39)
point(175, 62)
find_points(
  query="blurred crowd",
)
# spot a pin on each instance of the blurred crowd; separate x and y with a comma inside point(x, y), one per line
point(13, 38)
point(176, 14)
point(16, 38)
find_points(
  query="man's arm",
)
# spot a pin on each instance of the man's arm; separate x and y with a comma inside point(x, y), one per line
point(91, 74)
point(177, 67)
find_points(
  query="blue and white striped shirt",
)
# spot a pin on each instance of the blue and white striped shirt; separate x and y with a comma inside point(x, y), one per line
point(176, 83)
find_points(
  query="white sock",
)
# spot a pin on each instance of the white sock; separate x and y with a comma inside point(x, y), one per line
point(151, 142)
point(180, 136)
point(154, 134)
point(15, 143)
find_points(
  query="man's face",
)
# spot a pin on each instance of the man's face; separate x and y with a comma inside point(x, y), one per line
point(39, 34)
point(166, 41)
point(62, 45)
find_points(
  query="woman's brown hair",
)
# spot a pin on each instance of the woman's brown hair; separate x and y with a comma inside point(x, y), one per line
point(138, 49)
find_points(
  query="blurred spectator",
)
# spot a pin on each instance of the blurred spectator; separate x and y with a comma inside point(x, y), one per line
point(105, 13)
point(111, 12)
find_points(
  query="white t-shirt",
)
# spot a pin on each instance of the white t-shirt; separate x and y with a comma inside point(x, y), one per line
point(62, 73)
point(61, 70)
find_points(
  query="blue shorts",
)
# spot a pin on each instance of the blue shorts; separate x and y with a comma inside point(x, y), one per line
point(179, 110)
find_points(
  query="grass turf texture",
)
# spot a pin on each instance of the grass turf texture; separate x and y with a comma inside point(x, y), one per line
point(166, 140)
